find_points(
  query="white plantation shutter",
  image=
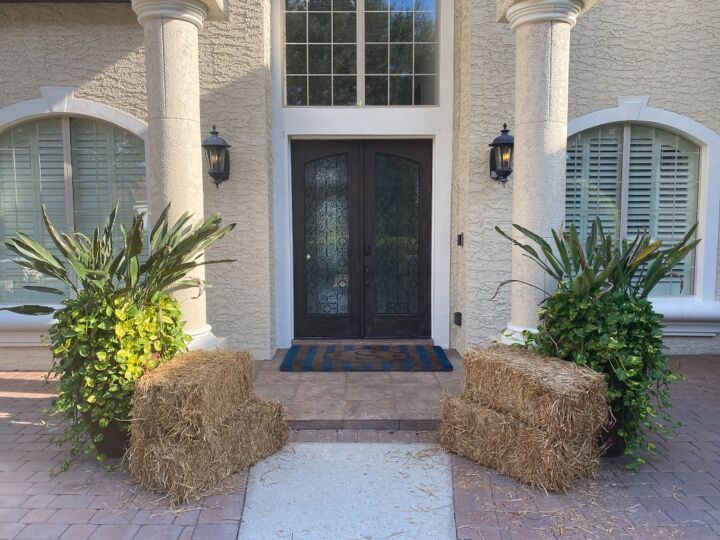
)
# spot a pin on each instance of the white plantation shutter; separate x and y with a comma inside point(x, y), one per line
point(662, 195)
point(32, 173)
point(594, 178)
point(108, 166)
point(77, 168)
point(649, 183)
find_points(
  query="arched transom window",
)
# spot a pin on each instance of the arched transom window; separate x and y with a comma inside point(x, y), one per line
point(77, 168)
point(635, 177)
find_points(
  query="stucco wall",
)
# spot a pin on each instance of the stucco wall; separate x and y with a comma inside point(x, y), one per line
point(663, 49)
point(98, 50)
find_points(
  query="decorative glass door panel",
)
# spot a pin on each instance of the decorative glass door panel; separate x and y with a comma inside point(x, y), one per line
point(326, 236)
point(361, 220)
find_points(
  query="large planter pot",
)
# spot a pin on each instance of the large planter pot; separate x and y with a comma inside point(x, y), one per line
point(612, 441)
point(115, 440)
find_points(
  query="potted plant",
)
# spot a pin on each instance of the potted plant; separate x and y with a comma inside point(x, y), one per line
point(118, 319)
point(600, 316)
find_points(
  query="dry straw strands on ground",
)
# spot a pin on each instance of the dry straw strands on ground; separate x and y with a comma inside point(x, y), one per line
point(536, 419)
point(196, 421)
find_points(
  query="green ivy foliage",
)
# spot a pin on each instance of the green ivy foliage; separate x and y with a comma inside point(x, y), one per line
point(101, 346)
point(119, 319)
point(599, 316)
point(621, 336)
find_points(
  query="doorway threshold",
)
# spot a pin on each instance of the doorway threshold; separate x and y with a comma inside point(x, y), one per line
point(419, 342)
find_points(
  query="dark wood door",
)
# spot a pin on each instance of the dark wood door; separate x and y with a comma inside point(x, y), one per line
point(361, 233)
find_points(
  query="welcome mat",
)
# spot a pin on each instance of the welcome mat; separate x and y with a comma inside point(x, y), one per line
point(365, 358)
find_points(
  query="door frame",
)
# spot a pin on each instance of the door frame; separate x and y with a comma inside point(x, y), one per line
point(362, 319)
point(428, 122)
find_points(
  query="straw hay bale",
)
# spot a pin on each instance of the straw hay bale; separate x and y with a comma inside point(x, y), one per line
point(560, 397)
point(511, 446)
point(188, 467)
point(192, 394)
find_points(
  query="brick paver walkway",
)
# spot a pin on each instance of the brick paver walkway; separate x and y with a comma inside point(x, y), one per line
point(676, 495)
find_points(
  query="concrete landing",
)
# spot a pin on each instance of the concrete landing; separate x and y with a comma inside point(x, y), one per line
point(336, 491)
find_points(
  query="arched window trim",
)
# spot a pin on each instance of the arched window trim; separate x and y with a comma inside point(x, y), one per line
point(56, 101)
point(698, 315)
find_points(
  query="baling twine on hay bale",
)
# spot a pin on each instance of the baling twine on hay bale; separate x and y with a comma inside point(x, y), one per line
point(534, 418)
point(196, 421)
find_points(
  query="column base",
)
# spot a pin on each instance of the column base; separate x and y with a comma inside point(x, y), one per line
point(513, 335)
point(203, 338)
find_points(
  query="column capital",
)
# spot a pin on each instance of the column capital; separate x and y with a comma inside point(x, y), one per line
point(519, 12)
point(193, 11)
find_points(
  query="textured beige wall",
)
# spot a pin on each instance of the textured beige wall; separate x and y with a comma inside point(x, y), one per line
point(664, 49)
point(98, 50)
point(461, 165)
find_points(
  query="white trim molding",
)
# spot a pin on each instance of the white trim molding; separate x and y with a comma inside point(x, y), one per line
point(540, 11)
point(426, 122)
point(26, 330)
point(535, 11)
point(60, 100)
point(698, 315)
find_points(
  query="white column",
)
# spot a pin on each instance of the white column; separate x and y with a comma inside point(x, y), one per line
point(174, 160)
point(542, 38)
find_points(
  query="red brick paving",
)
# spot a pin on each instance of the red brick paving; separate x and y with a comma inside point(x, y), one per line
point(675, 495)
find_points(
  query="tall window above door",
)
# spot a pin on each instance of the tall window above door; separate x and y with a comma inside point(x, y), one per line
point(635, 178)
point(361, 52)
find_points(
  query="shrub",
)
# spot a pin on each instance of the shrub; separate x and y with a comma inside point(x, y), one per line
point(119, 319)
point(599, 316)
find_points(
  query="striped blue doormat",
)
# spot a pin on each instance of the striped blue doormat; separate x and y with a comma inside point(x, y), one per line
point(365, 358)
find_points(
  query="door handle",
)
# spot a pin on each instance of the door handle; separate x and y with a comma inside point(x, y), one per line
point(367, 275)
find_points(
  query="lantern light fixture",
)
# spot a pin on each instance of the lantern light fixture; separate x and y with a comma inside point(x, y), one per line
point(218, 156)
point(501, 155)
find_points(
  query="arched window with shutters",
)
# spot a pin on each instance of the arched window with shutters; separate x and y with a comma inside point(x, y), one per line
point(636, 177)
point(77, 167)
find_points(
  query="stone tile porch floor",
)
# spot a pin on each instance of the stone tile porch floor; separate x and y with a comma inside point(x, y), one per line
point(676, 495)
point(368, 400)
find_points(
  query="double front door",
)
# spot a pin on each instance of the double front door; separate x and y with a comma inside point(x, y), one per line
point(361, 235)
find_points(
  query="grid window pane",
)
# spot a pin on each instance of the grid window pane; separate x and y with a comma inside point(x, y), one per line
point(401, 40)
point(400, 52)
point(401, 27)
point(295, 59)
point(319, 59)
point(376, 90)
point(295, 27)
point(376, 27)
point(319, 30)
point(345, 90)
point(376, 5)
point(344, 5)
point(320, 52)
point(344, 59)
point(425, 58)
point(401, 89)
point(319, 5)
point(344, 28)
point(425, 89)
point(320, 90)
point(297, 90)
point(376, 59)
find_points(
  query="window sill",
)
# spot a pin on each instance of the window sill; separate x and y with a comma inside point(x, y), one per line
point(23, 330)
point(690, 317)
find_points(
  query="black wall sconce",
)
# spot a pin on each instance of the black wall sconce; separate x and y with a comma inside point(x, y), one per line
point(218, 156)
point(501, 155)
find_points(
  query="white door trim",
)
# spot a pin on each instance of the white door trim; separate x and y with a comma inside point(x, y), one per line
point(434, 122)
